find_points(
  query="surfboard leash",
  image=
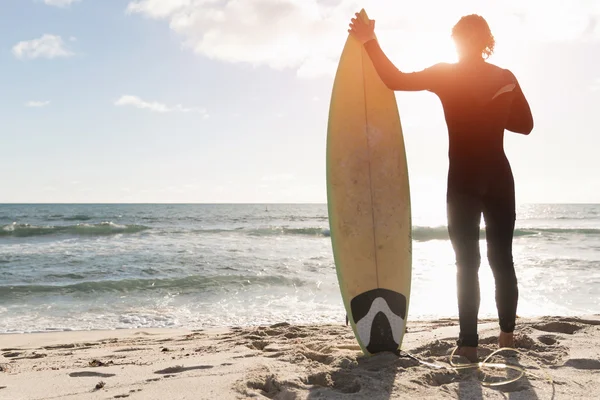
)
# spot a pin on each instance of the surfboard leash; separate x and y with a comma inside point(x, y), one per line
point(485, 364)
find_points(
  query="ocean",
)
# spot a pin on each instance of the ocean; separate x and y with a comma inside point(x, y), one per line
point(88, 266)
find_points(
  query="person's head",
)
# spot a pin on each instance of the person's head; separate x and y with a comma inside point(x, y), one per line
point(473, 37)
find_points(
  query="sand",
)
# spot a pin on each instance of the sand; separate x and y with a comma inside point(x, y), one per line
point(285, 361)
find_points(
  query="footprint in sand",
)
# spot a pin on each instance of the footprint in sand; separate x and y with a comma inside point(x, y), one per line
point(559, 327)
point(320, 379)
point(180, 368)
point(258, 344)
point(583, 363)
point(549, 340)
point(89, 374)
point(268, 386)
point(340, 381)
point(438, 378)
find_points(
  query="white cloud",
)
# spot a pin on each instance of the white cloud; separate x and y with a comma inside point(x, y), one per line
point(60, 3)
point(135, 101)
point(157, 8)
point(48, 46)
point(37, 103)
point(280, 34)
point(308, 35)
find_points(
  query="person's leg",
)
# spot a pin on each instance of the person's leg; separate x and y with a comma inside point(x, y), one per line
point(464, 216)
point(499, 214)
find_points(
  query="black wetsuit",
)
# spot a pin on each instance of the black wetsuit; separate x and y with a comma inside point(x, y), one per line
point(480, 101)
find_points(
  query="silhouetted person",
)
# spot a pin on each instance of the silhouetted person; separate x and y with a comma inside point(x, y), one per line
point(480, 101)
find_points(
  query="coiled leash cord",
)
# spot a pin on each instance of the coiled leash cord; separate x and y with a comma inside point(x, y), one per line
point(485, 364)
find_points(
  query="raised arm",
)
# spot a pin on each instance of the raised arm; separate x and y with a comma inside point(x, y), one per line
point(363, 29)
point(427, 79)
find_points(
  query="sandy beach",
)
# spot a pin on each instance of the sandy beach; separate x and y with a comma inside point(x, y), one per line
point(284, 361)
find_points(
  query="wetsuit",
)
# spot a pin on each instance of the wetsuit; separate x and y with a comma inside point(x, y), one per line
point(480, 101)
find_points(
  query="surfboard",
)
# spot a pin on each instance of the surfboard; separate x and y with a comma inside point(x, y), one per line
point(368, 201)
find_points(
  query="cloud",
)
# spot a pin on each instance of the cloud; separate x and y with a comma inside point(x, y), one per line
point(595, 86)
point(279, 34)
point(308, 35)
point(48, 46)
point(60, 3)
point(135, 101)
point(157, 8)
point(37, 103)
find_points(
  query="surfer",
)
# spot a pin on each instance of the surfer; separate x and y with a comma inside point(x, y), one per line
point(480, 101)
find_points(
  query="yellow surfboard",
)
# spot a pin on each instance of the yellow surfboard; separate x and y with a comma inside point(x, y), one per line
point(369, 202)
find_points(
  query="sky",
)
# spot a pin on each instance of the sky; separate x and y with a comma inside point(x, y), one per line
point(227, 100)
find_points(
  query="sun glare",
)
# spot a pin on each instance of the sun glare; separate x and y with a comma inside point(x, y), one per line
point(421, 50)
point(420, 45)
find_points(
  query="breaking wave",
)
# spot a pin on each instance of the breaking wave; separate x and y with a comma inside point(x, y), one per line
point(101, 229)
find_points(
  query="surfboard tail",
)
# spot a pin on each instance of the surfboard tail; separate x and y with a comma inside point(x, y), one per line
point(380, 319)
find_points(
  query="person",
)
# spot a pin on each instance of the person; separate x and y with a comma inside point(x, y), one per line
point(480, 100)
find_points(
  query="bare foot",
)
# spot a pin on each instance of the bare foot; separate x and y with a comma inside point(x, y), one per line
point(470, 353)
point(506, 339)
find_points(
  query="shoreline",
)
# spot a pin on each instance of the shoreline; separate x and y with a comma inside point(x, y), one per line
point(286, 361)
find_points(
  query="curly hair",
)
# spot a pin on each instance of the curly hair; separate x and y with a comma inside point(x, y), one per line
point(474, 32)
